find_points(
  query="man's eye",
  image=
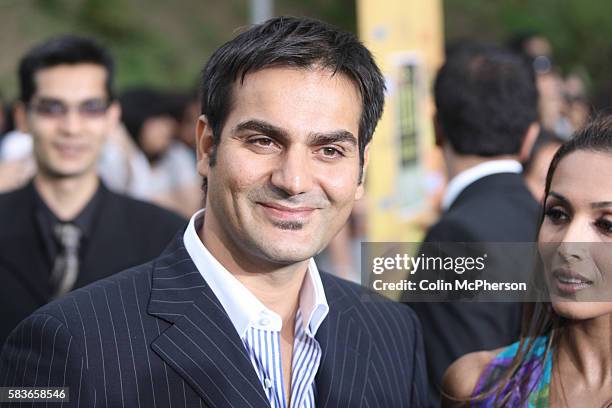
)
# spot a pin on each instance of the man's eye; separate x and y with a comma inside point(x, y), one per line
point(95, 107)
point(331, 152)
point(556, 215)
point(261, 141)
point(51, 108)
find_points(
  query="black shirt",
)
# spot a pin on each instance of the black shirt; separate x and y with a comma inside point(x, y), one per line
point(46, 221)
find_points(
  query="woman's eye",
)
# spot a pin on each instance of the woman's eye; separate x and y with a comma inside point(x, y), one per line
point(556, 215)
point(604, 225)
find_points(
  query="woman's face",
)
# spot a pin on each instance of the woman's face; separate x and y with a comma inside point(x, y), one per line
point(575, 239)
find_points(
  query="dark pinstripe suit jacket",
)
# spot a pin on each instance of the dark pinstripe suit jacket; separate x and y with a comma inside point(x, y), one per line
point(156, 336)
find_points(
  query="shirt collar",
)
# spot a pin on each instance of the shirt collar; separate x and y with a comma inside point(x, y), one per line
point(242, 307)
point(462, 180)
point(85, 219)
point(46, 220)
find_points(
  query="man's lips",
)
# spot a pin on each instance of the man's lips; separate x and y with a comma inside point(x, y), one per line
point(570, 282)
point(287, 213)
point(280, 207)
point(70, 150)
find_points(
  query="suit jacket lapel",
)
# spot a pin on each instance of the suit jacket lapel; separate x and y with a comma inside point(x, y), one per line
point(346, 348)
point(201, 344)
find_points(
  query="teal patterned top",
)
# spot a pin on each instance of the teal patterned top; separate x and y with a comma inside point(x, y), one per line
point(530, 388)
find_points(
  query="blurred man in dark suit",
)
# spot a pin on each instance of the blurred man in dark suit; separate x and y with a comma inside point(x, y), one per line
point(235, 312)
point(64, 229)
point(486, 123)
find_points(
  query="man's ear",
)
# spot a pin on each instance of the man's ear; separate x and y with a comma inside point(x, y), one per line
point(20, 116)
point(439, 137)
point(528, 141)
point(361, 187)
point(204, 145)
point(114, 113)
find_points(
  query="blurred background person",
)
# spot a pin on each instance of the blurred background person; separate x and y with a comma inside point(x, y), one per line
point(17, 165)
point(65, 229)
point(485, 123)
point(189, 112)
point(563, 106)
point(536, 166)
point(564, 356)
point(552, 105)
point(577, 105)
point(162, 167)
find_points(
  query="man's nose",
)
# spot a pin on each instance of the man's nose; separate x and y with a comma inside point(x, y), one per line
point(71, 122)
point(294, 172)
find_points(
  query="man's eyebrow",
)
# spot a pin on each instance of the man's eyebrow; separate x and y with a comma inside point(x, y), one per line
point(51, 99)
point(48, 99)
point(338, 136)
point(262, 127)
point(316, 139)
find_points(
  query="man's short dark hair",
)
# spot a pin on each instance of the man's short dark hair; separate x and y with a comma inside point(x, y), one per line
point(292, 42)
point(64, 49)
point(486, 98)
point(142, 103)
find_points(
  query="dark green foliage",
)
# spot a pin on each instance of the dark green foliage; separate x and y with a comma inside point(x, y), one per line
point(166, 43)
point(580, 30)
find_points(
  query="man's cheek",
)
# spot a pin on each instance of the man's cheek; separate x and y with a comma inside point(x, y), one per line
point(340, 190)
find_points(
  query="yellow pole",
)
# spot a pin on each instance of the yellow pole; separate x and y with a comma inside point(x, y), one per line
point(406, 39)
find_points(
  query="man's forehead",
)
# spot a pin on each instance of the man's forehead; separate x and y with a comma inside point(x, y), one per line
point(272, 70)
point(273, 79)
point(71, 82)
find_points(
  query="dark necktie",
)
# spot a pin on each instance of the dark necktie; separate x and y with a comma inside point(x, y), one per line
point(66, 265)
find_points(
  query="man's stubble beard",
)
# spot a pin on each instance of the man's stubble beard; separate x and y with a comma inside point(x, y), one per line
point(289, 225)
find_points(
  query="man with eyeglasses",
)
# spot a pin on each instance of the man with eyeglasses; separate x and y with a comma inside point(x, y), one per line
point(65, 229)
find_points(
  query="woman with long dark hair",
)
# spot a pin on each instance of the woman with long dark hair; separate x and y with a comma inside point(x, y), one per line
point(564, 356)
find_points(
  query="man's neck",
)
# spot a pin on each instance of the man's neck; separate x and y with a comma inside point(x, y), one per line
point(276, 286)
point(67, 196)
point(457, 163)
point(279, 291)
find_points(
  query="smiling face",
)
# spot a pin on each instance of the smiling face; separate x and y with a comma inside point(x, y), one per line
point(287, 165)
point(575, 239)
point(69, 117)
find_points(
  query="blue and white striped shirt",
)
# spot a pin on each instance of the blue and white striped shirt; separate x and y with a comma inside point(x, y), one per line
point(259, 327)
point(265, 352)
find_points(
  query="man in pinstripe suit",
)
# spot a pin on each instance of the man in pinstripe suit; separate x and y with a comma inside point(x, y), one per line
point(235, 313)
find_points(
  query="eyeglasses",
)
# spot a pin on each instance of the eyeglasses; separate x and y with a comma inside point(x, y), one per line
point(53, 108)
point(542, 64)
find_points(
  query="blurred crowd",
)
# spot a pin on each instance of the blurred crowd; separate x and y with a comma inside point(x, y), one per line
point(563, 106)
point(151, 154)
